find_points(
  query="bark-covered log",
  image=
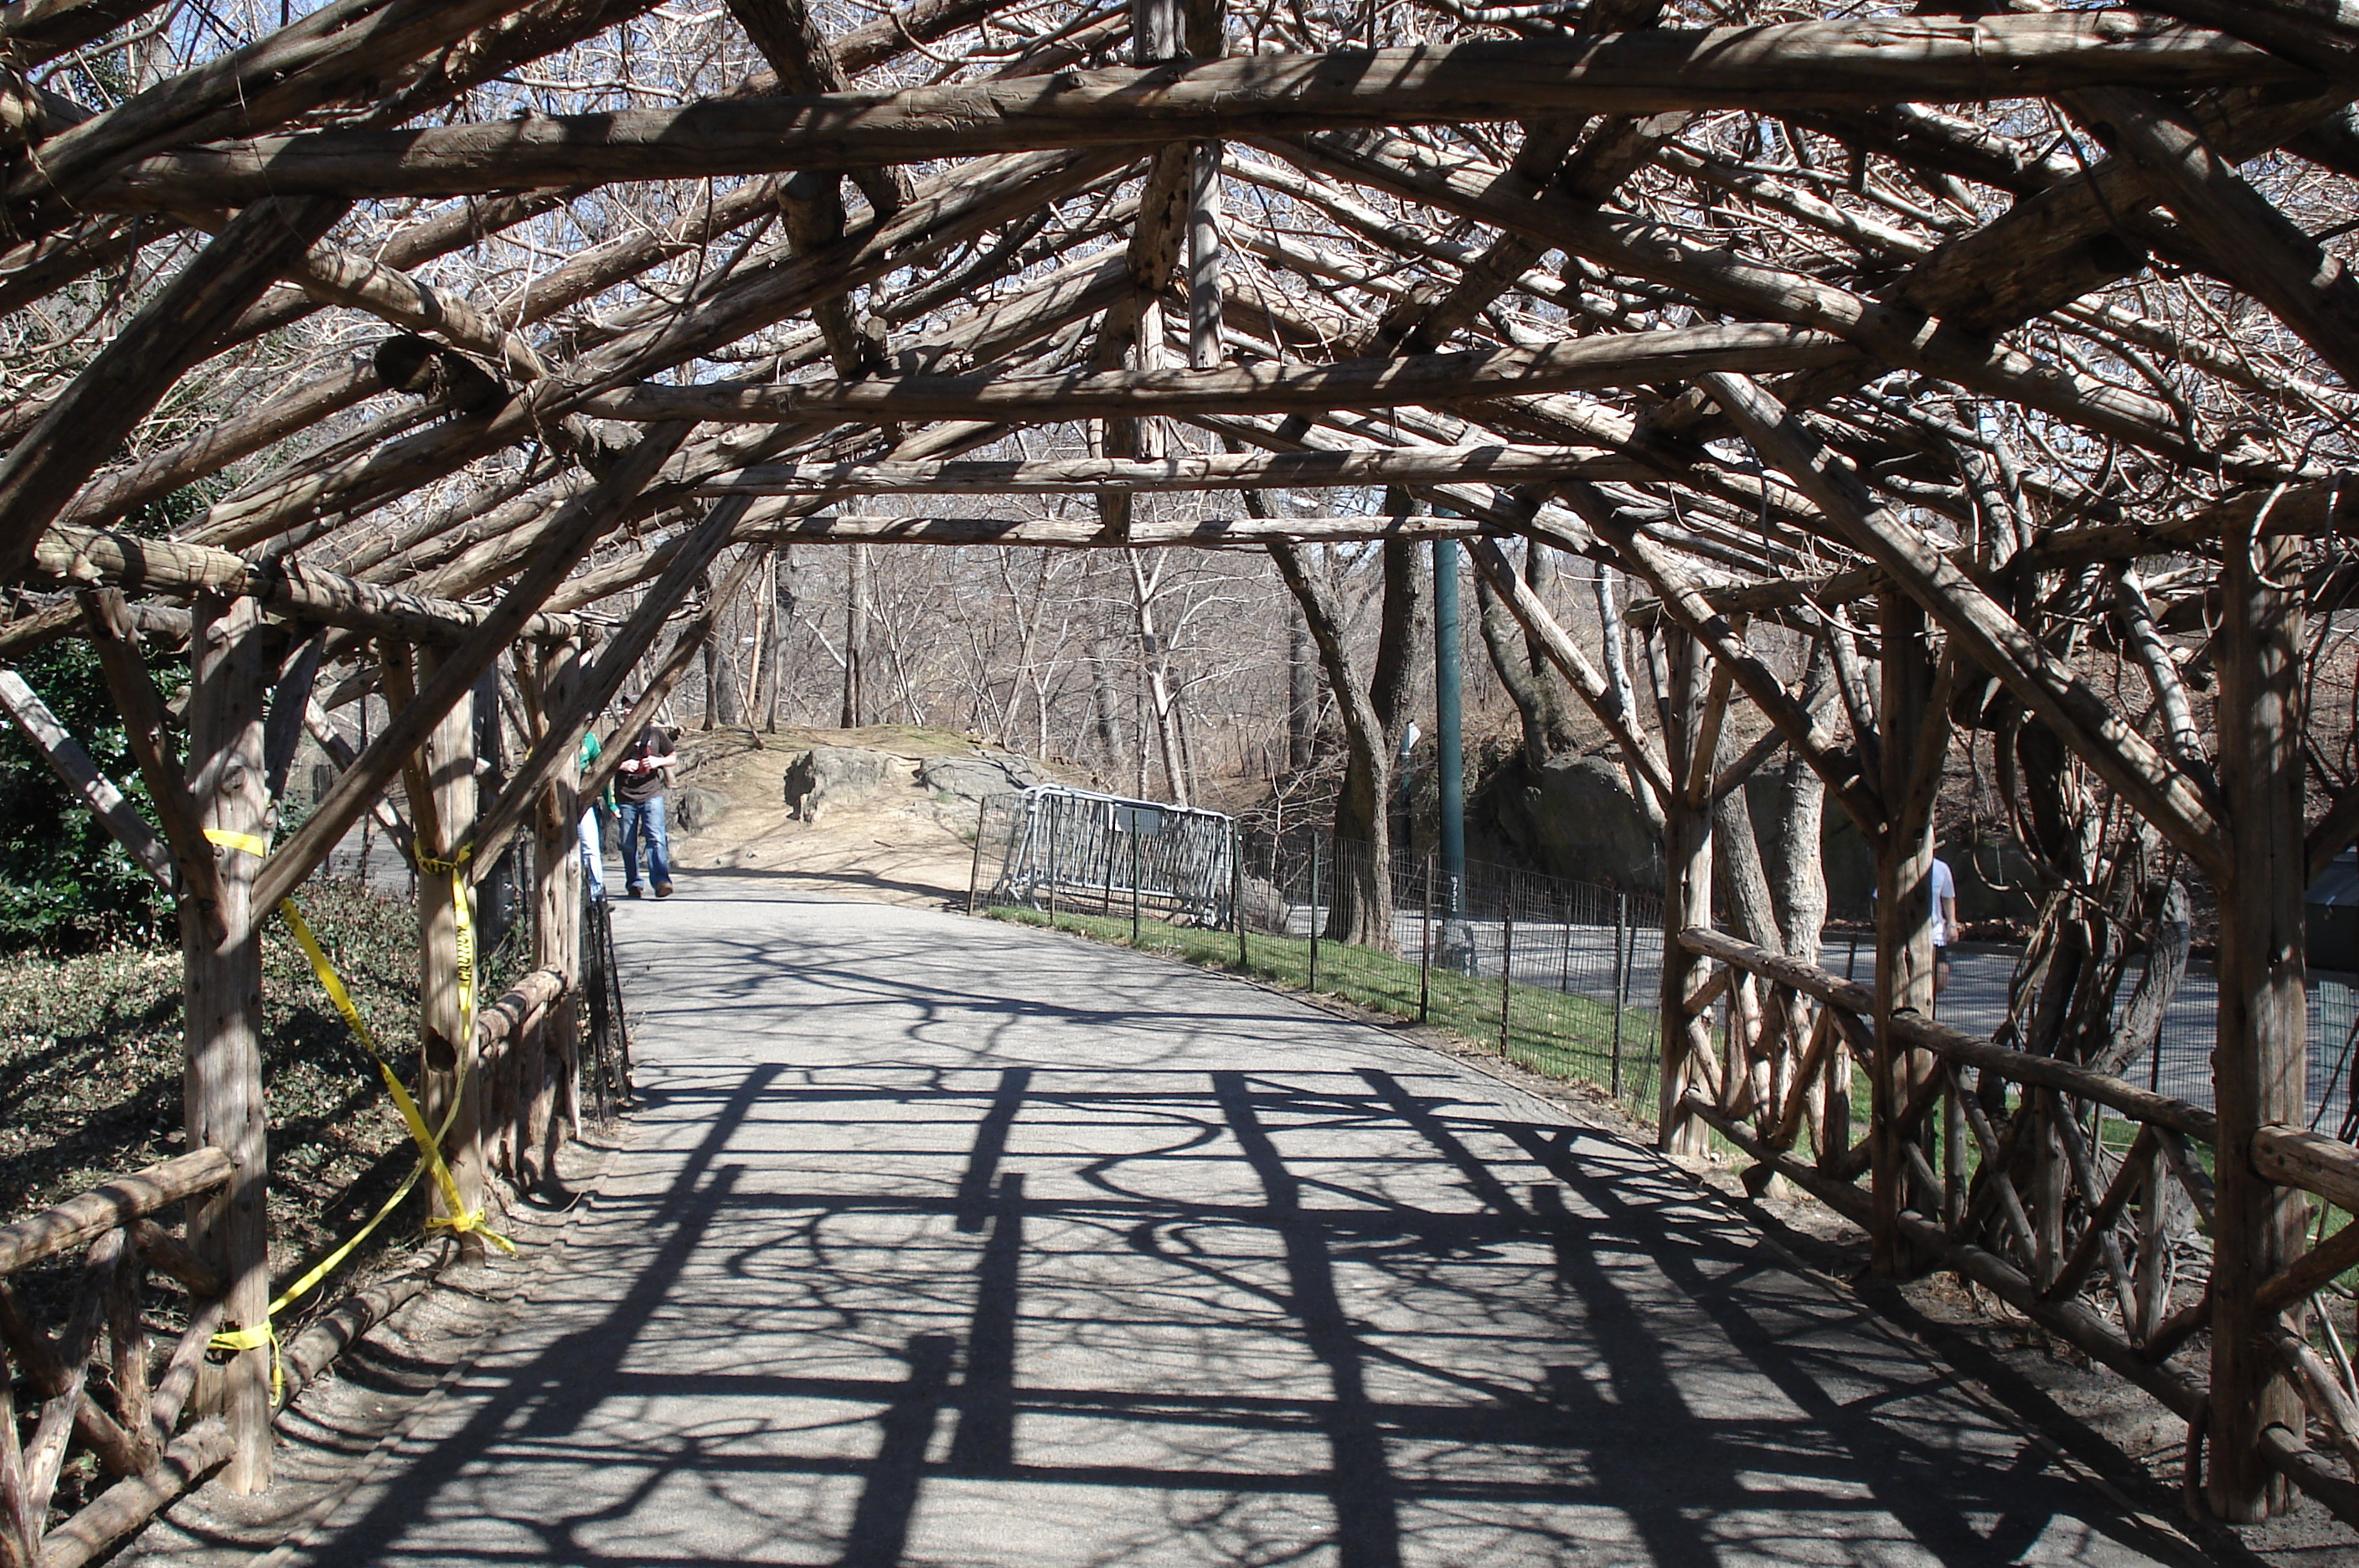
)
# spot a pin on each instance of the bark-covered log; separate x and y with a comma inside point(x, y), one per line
point(174, 332)
point(1587, 364)
point(162, 566)
point(1797, 65)
point(1497, 462)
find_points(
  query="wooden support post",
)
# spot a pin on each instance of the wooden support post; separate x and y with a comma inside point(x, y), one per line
point(443, 807)
point(1686, 886)
point(222, 999)
point(2260, 1058)
point(555, 1109)
point(1904, 903)
point(1204, 262)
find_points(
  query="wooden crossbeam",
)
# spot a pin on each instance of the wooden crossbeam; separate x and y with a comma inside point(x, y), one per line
point(1494, 462)
point(1883, 335)
point(1795, 66)
point(290, 587)
point(319, 57)
point(947, 212)
point(172, 332)
point(2263, 251)
point(1087, 533)
point(335, 275)
point(1583, 364)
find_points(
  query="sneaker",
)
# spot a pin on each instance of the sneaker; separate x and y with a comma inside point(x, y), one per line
point(630, 892)
point(663, 890)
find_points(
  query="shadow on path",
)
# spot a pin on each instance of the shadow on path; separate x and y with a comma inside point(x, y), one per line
point(949, 1243)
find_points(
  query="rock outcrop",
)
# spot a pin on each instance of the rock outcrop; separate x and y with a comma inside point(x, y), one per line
point(829, 776)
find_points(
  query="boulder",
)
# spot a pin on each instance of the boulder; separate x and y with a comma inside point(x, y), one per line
point(829, 776)
point(1574, 819)
point(977, 778)
point(1267, 910)
point(693, 809)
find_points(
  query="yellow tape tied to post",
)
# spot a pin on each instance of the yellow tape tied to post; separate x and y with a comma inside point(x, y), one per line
point(461, 1220)
point(254, 1336)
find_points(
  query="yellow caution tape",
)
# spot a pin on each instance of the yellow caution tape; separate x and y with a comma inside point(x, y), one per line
point(461, 1221)
point(252, 844)
point(330, 981)
point(254, 1338)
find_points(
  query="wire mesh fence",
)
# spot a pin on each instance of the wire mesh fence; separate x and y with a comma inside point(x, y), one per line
point(1563, 977)
point(1560, 976)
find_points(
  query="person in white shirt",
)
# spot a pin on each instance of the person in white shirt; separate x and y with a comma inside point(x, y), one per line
point(1945, 922)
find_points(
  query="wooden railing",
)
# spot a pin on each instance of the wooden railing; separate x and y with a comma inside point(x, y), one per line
point(520, 1095)
point(1993, 1163)
point(139, 1440)
point(154, 1431)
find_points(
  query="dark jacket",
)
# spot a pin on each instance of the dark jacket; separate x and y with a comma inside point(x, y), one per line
point(632, 789)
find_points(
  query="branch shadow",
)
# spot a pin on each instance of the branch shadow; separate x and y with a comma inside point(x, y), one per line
point(941, 1245)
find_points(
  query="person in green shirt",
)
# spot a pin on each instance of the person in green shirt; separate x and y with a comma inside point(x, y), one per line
point(593, 820)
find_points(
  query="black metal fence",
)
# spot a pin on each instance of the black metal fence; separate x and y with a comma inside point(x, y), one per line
point(606, 1032)
point(1560, 976)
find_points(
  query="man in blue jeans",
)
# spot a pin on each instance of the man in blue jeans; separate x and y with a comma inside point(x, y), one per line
point(640, 780)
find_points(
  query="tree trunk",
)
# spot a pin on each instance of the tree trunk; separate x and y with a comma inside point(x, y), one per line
point(1554, 694)
point(1405, 633)
point(1360, 907)
point(552, 1107)
point(1797, 860)
point(2259, 1060)
point(711, 658)
point(1155, 662)
point(855, 637)
point(782, 623)
point(445, 813)
point(1740, 880)
point(1502, 639)
point(1302, 691)
point(1686, 886)
point(1911, 719)
point(1105, 718)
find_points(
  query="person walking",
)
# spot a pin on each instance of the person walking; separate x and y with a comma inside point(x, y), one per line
point(594, 813)
point(1945, 924)
point(640, 780)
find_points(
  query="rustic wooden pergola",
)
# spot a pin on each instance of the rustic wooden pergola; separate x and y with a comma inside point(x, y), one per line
point(1837, 330)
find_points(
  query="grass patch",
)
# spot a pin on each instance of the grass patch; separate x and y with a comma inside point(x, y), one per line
point(1547, 1030)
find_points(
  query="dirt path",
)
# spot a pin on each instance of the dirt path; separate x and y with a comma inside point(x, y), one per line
point(905, 848)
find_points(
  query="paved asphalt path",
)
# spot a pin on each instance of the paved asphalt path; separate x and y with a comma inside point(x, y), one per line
point(941, 1241)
